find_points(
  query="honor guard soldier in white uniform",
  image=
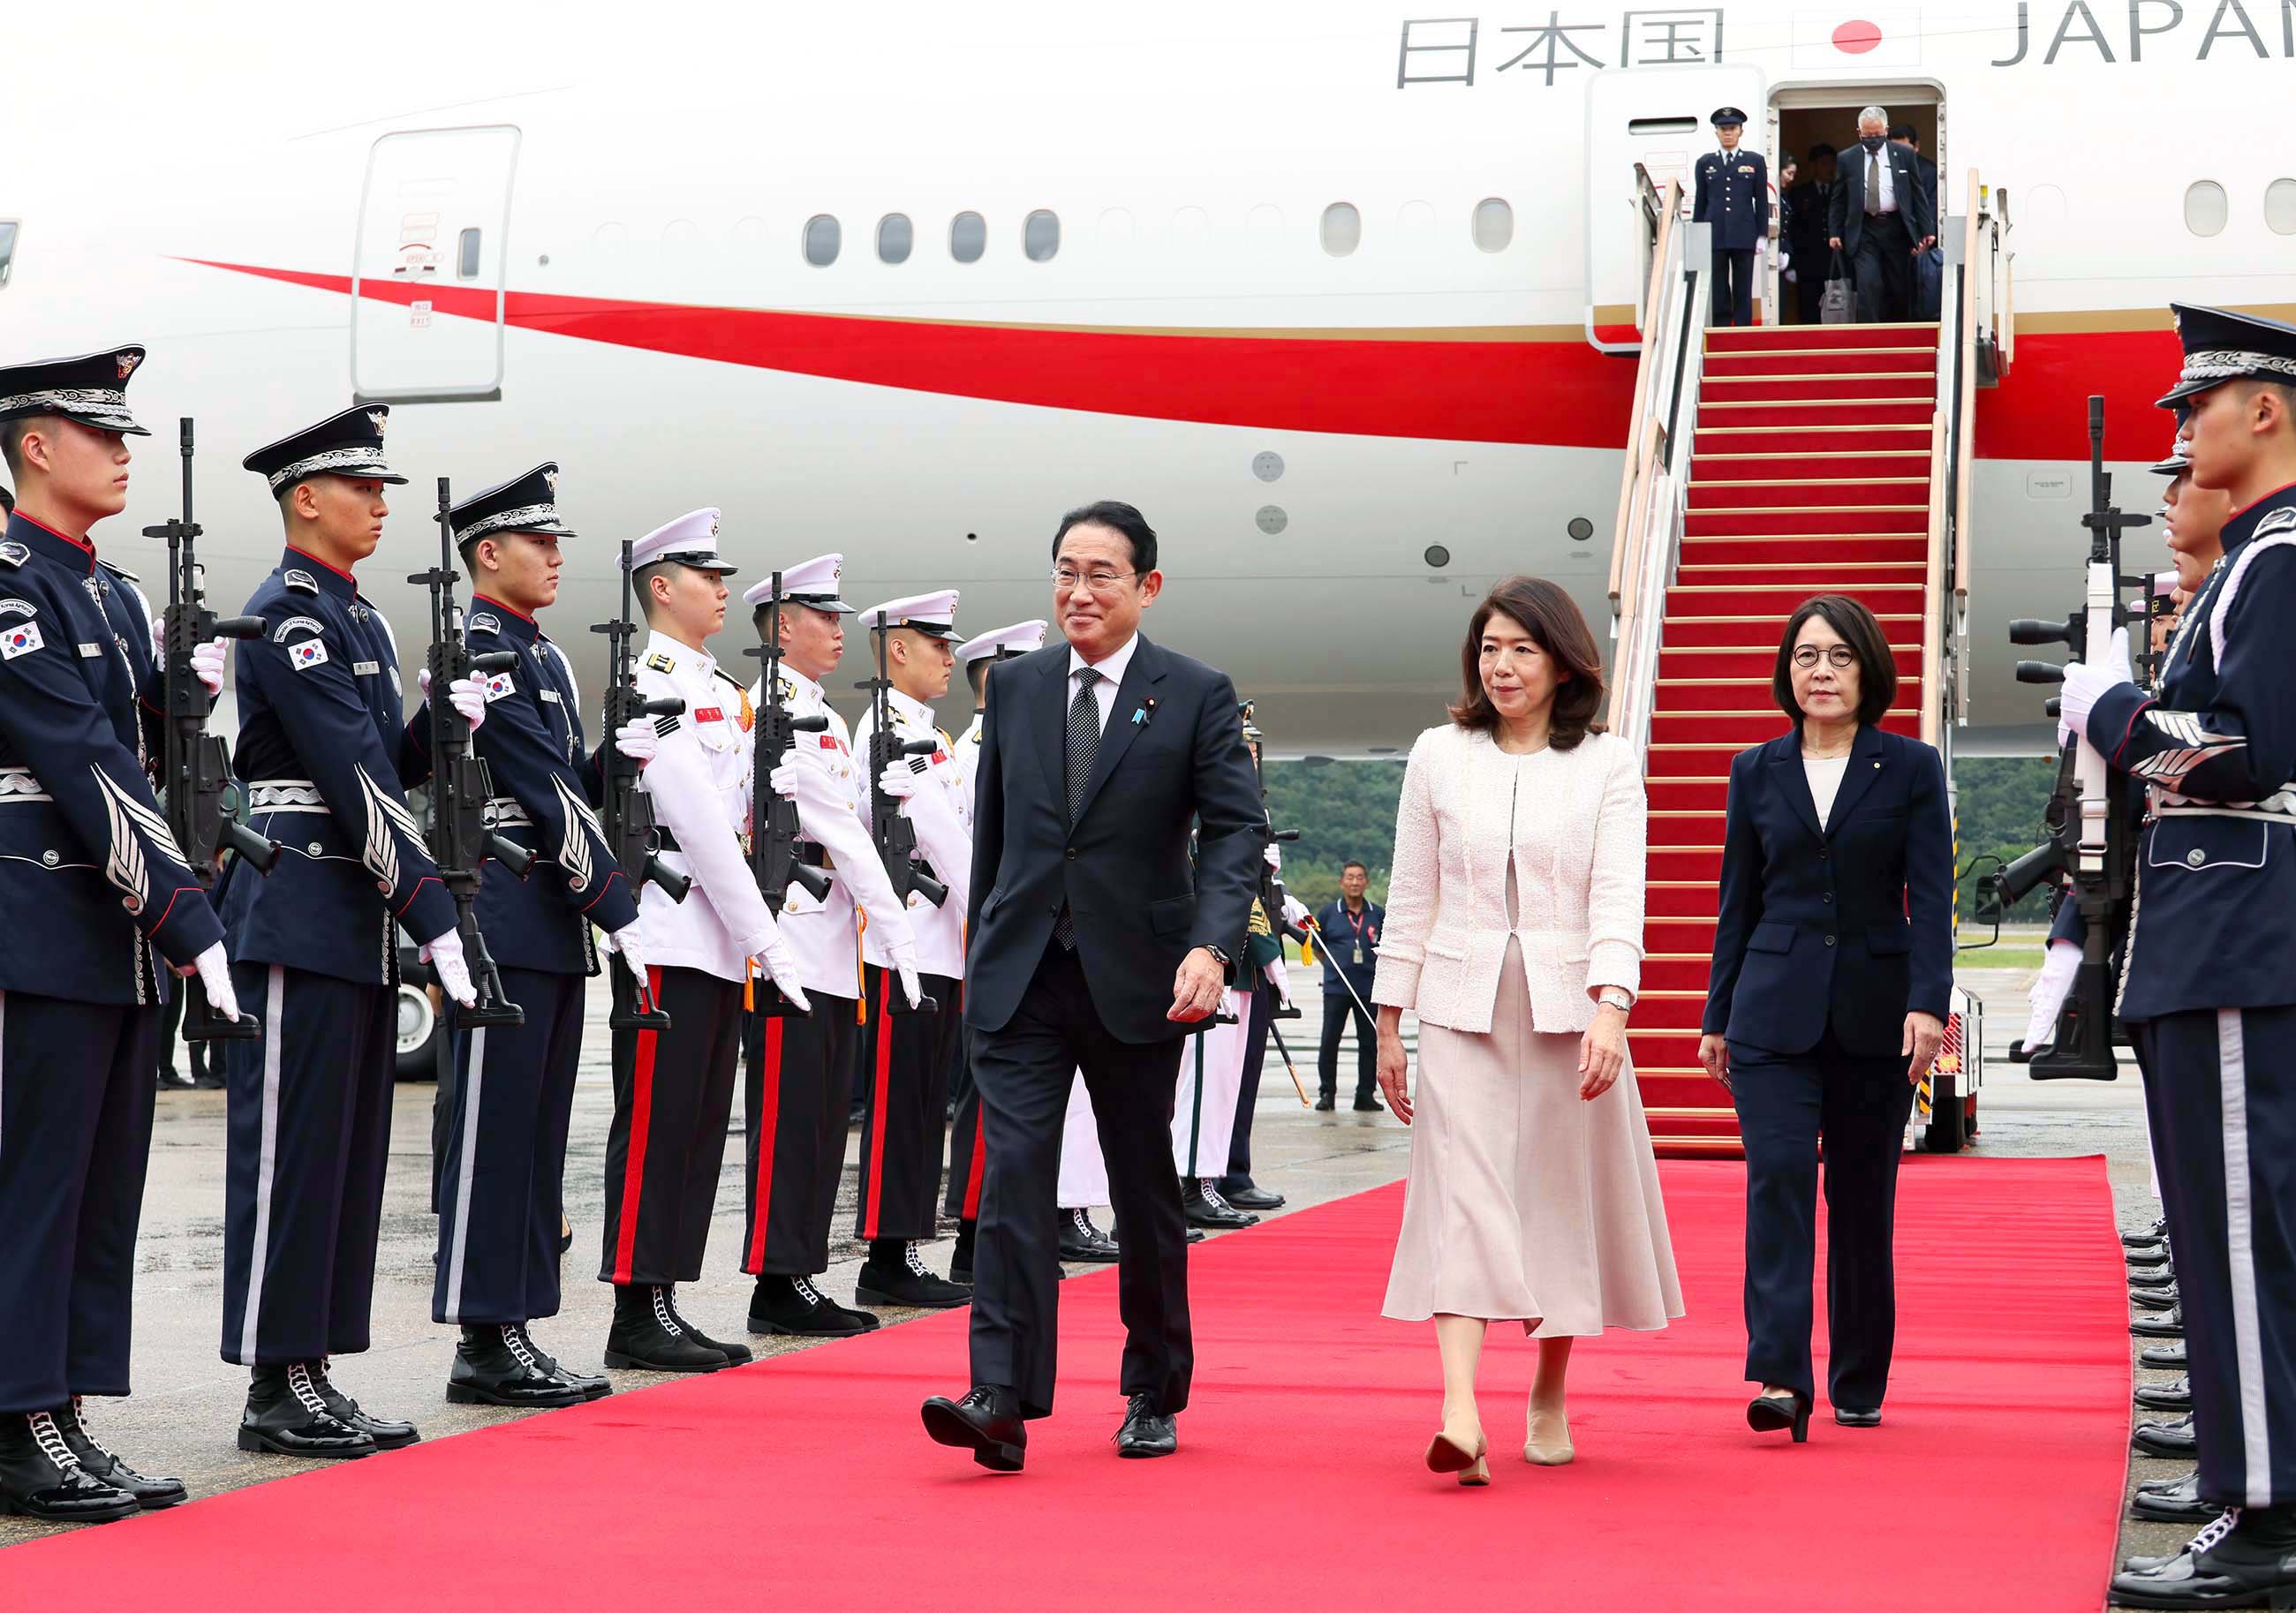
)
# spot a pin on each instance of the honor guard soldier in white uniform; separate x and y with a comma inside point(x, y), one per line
point(325, 755)
point(968, 1156)
point(674, 1089)
point(800, 1071)
point(1732, 192)
point(101, 908)
point(504, 1156)
point(907, 1059)
point(2209, 970)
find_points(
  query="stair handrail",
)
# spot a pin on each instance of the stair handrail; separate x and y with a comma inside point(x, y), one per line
point(1665, 254)
point(1965, 415)
point(1933, 615)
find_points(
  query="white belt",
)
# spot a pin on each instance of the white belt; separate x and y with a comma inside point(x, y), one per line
point(507, 814)
point(2278, 807)
point(284, 795)
point(19, 788)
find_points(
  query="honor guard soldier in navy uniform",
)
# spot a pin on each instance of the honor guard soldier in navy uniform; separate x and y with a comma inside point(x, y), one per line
point(1734, 197)
point(103, 908)
point(325, 755)
point(2208, 971)
point(800, 1071)
point(674, 1088)
point(968, 1155)
point(504, 1157)
point(907, 1058)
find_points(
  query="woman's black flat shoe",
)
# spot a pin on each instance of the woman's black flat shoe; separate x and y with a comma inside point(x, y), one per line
point(1768, 1413)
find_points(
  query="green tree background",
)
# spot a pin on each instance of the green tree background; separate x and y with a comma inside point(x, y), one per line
point(1997, 806)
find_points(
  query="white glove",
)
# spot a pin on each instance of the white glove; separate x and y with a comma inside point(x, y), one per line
point(1279, 978)
point(215, 980)
point(904, 964)
point(899, 779)
point(2050, 988)
point(207, 661)
point(638, 740)
point(444, 954)
point(805, 780)
point(1295, 911)
point(467, 695)
point(1275, 859)
point(626, 942)
point(2086, 684)
point(778, 964)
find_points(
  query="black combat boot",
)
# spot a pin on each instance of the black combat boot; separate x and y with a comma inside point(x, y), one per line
point(93, 1455)
point(40, 1478)
point(793, 1305)
point(286, 1416)
point(646, 1336)
point(389, 1433)
point(493, 1367)
point(895, 1273)
point(1081, 1239)
point(2245, 1559)
point(738, 1354)
point(1201, 1203)
point(595, 1385)
point(960, 1259)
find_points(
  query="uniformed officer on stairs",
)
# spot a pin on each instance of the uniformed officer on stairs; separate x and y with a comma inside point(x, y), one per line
point(2208, 971)
point(1733, 196)
point(504, 1157)
point(800, 1071)
point(674, 1089)
point(324, 756)
point(906, 1058)
point(103, 908)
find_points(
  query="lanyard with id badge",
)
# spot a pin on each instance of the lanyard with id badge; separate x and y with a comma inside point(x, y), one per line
point(1357, 924)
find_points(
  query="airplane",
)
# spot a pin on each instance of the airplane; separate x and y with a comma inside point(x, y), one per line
point(1343, 298)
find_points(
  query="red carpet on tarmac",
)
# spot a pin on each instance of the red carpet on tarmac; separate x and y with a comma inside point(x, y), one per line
point(1995, 1482)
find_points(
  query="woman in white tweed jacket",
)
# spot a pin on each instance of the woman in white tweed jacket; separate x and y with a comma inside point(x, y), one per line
point(1514, 927)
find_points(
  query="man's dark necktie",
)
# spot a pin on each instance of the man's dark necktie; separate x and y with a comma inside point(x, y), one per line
point(1083, 750)
point(1872, 184)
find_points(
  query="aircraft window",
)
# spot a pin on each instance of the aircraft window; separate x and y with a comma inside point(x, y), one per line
point(466, 254)
point(968, 237)
point(821, 240)
point(894, 236)
point(1342, 229)
point(2205, 208)
point(7, 248)
point(681, 229)
point(1494, 224)
point(1040, 235)
point(2279, 212)
point(1191, 225)
point(1416, 215)
point(1662, 126)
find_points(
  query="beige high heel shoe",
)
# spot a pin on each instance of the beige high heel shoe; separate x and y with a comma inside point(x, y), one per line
point(1547, 1444)
point(1446, 1454)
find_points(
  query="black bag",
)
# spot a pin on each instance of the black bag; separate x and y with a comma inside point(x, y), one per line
point(1838, 305)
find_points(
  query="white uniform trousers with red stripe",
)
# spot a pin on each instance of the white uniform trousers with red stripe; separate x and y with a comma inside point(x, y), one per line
point(797, 1094)
point(672, 1095)
point(905, 1061)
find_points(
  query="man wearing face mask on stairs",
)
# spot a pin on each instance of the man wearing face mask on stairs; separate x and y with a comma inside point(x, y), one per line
point(1882, 220)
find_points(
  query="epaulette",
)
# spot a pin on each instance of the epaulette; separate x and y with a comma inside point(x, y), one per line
point(485, 621)
point(788, 688)
point(14, 554)
point(301, 581)
point(118, 570)
point(656, 661)
point(728, 676)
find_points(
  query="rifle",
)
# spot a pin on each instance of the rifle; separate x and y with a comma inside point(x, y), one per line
point(627, 818)
point(896, 836)
point(2092, 844)
point(461, 831)
point(773, 840)
point(203, 800)
point(1273, 897)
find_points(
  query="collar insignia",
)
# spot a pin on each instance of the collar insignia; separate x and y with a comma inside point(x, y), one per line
point(302, 582)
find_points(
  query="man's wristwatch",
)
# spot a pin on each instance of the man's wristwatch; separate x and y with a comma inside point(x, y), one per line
point(1219, 956)
point(1615, 997)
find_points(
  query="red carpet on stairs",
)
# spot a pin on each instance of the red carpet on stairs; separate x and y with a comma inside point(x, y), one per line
point(1809, 474)
point(804, 1482)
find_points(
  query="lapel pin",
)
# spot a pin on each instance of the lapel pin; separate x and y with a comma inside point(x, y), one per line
point(1146, 709)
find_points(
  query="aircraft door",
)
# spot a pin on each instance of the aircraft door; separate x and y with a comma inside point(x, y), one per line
point(428, 266)
point(1656, 116)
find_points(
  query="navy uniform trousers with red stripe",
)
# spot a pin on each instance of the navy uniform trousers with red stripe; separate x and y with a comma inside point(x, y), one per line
point(906, 1058)
point(503, 1163)
point(797, 1097)
point(672, 1094)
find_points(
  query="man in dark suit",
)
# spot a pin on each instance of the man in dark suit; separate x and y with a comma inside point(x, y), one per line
point(1929, 267)
point(1809, 209)
point(1733, 197)
point(1882, 220)
point(1096, 755)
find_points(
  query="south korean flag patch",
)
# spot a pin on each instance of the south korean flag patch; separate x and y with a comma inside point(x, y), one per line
point(499, 686)
point(311, 652)
point(22, 639)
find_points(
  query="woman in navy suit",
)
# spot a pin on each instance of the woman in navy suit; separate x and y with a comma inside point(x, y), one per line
point(1832, 966)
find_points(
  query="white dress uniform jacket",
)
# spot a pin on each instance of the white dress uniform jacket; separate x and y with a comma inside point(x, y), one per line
point(827, 934)
point(941, 811)
point(700, 782)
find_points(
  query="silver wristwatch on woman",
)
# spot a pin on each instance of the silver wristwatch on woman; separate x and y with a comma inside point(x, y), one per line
point(1615, 997)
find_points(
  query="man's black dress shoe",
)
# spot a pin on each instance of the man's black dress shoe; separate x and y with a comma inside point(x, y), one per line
point(493, 1367)
point(738, 1354)
point(908, 1283)
point(1081, 1239)
point(2169, 1324)
point(1768, 1413)
point(2175, 1438)
point(168, 1081)
point(208, 1078)
point(2159, 1276)
point(645, 1335)
point(595, 1385)
point(2154, 1233)
point(2153, 1298)
point(2176, 1396)
point(389, 1433)
point(1325, 1102)
point(104, 1464)
point(2241, 1559)
point(2172, 1500)
point(2162, 1357)
point(1366, 1103)
point(1201, 1203)
point(40, 1478)
point(1850, 1418)
point(1146, 1430)
point(987, 1421)
point(793, 1305)
point(1254, 1196)
point(286, 1416)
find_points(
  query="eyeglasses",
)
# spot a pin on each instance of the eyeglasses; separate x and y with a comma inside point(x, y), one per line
point(1099, 582)
point(1840, 655)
